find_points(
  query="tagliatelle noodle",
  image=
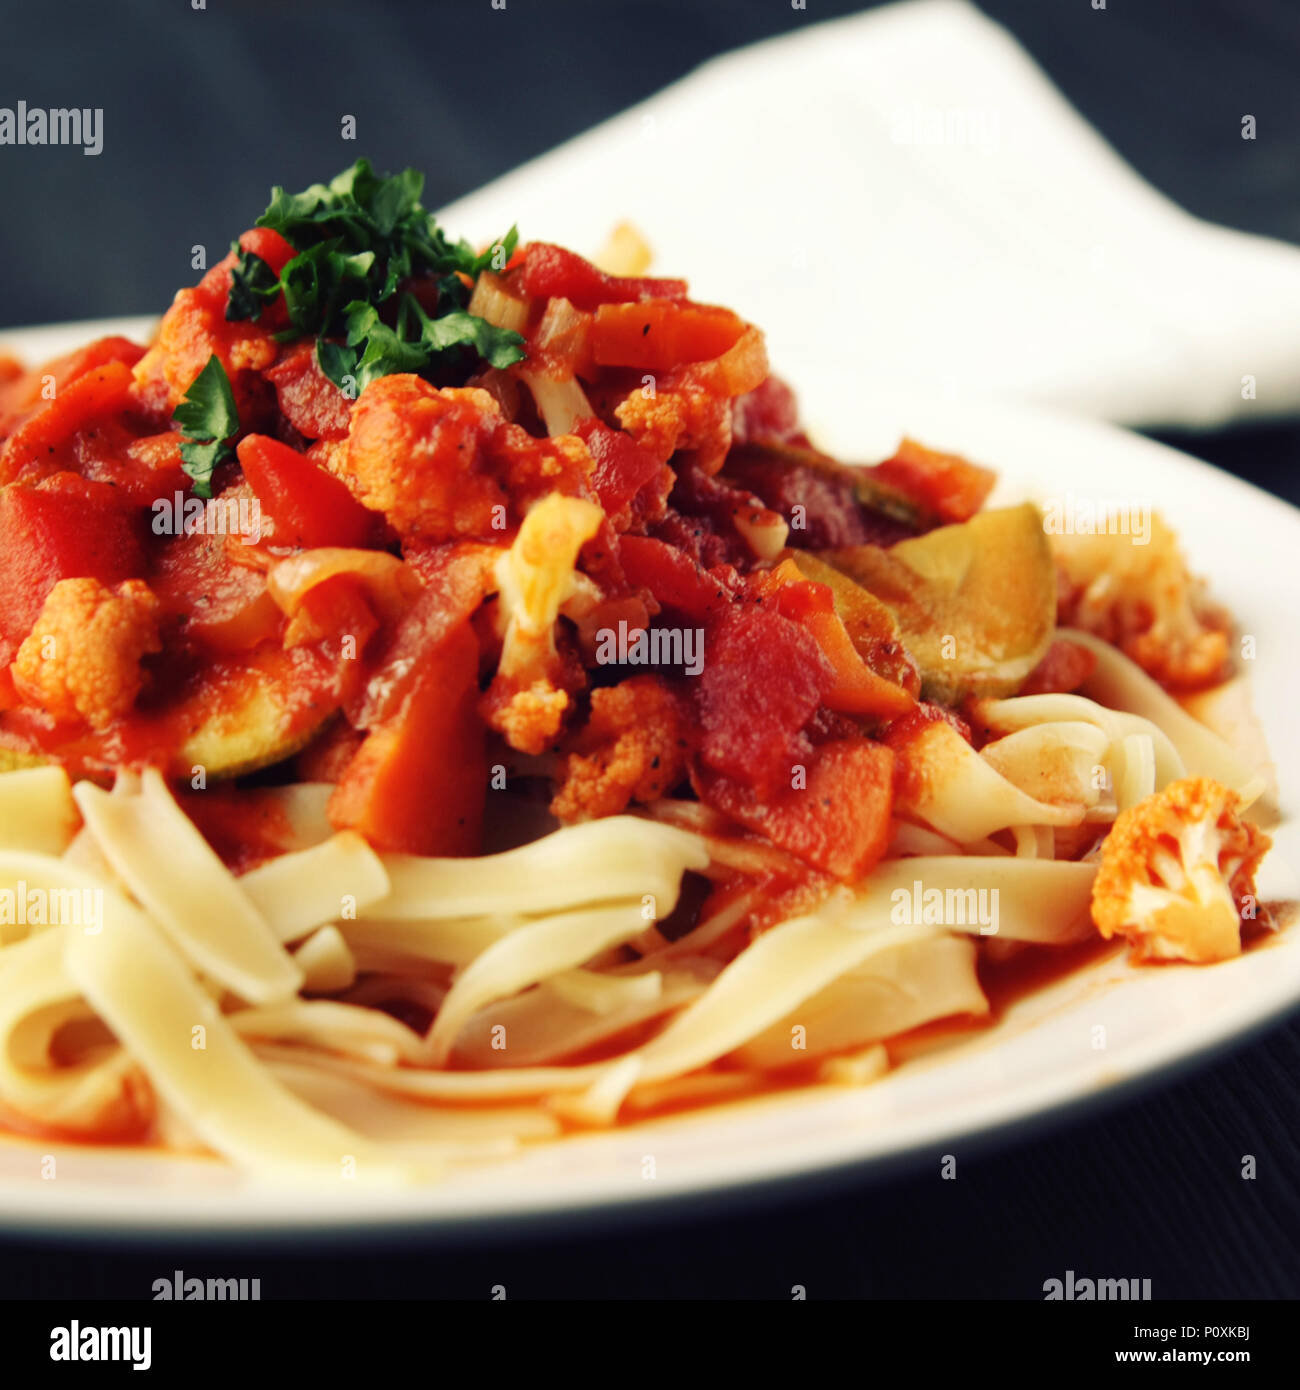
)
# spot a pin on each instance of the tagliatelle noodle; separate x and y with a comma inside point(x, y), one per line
point(542, 1026)
point(1045, 901)
point(424, 1130)
point(105, 1094)
point(901, 988)
point(1054, 763)
point(1134, 770)
point(1121, 684)
point(147, 995)
point(326, 961)
point(454, 941)
point(297, 892)
point(959, 794)
point(600, 861)
point(175, 875)
point(1028, 711)
point(530, 953)
point(332, 1026)
point(37, 811)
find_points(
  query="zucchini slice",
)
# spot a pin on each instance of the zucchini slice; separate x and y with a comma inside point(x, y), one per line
point(976, 602)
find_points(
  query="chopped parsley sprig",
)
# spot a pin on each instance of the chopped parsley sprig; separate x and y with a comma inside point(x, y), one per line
point(208, 418)
point(359, 238)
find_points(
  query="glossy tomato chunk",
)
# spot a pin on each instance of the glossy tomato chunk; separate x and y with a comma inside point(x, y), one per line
point(68, 528)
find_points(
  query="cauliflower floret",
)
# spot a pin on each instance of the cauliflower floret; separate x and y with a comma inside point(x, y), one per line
point(83, 656)
point(633, 748)
point(418, 455)
point(690, 408)
point(1176, 871)
point(191, 331)
point(684, 417)
point(526, 701)
point(1142, 599)
point(530, 718)
point(444, 464)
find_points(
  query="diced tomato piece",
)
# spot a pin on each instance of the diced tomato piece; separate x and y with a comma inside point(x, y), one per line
point(336, 611)
point(112, 450)
point(308, 399)
point(944, 486)
point(39, 439)
point(659, 334)
point(308, 507)
point(151, 467)
point(839, 822)
point(742, 368)
point(551, 272)
point(674, 579)
point(456, 578)
point(418, 784)
point(900, 732)
point(223, 606)
point(21, 392)
point(271, 247)
point(69, 528)
point(1064, 667)
point(763, 678)
point(629, 482)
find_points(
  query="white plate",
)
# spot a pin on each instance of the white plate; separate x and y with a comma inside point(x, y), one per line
point(1042, 1055)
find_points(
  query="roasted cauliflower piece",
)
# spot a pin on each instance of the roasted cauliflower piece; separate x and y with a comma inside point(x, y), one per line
point(633, 748)
point(419, 455)
point(1177, 874)
point(82, 659)
point(445, 464)
point(527, 701)
point(1142, 599)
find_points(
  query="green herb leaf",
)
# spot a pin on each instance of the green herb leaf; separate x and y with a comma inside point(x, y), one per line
point(497, 346)
point(252, 284)
point(207, 417)
point(339, 363)
point(358, 239)
point(494, 258)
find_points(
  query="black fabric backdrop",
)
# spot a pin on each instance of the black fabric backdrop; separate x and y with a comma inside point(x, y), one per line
point(204, 110)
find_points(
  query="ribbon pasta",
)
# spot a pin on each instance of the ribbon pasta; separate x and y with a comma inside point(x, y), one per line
point(342, 1015)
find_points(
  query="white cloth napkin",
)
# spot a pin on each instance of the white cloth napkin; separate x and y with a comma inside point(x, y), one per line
point(904, 192)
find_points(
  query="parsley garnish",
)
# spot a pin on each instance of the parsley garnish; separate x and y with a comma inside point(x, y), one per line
point(252, 283)
point(358, 238)
point(208, 417)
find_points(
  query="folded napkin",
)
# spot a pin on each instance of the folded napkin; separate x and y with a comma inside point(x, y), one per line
point(905, 197)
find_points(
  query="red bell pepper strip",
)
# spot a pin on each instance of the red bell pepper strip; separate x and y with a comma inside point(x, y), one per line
point(308, 507)
point(551, 272)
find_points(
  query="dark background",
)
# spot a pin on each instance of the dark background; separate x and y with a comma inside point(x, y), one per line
point(205, 110)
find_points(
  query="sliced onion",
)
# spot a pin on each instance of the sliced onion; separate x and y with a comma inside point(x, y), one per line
point(493, 302)
point(561, 402)
point(743, 367)
point(390, 582)
point(765, 531)
point(561, 338)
